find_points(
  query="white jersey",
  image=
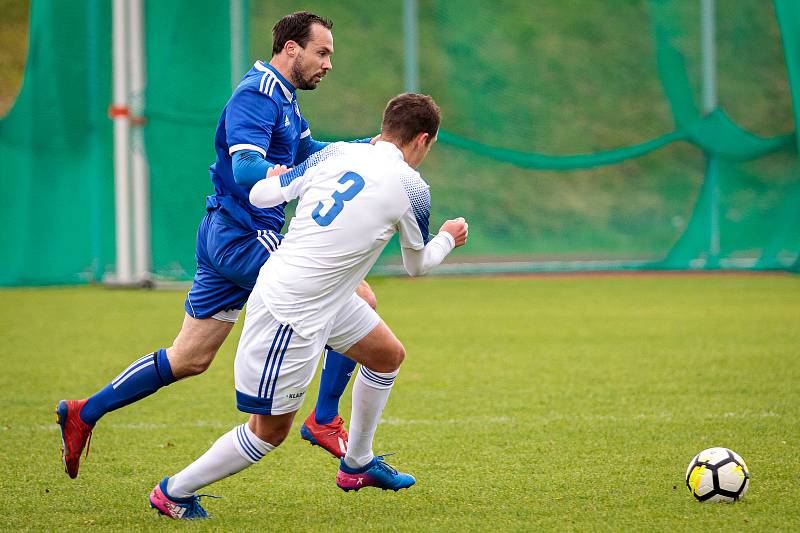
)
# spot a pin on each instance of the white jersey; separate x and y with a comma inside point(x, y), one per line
point(352, 200)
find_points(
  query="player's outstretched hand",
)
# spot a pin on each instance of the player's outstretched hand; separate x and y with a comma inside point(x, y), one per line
point(375, 139)
point(277, 170)
point(458, 228)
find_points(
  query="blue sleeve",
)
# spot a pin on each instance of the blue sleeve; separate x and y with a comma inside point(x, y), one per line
point(249, 167)
point(250, 118)
point(308, 146)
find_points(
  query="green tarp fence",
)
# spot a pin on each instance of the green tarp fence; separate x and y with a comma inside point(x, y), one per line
point(572, 136)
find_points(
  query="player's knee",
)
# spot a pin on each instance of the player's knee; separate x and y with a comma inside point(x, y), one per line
point(271, 429)
point(200, 362)
point(399, 355)
point(391, 358)
point(186, 361)
point(273, 436)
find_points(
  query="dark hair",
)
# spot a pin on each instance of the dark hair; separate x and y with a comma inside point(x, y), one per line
point(409, 114)
point(295, 27)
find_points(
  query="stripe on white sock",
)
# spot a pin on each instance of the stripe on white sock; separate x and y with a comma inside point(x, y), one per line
point(249, 445)
point(378, 380)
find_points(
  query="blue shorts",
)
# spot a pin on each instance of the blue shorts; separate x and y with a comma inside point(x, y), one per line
point(228, 260)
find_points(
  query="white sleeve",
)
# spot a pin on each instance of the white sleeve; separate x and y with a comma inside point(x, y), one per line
point(420, 262)
point(273, 191)
point(413, 225)
point(270, 192)
point(267, 193)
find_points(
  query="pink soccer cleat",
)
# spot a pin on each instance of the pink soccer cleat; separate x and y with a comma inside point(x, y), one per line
point(376, 473)
point(176, 508)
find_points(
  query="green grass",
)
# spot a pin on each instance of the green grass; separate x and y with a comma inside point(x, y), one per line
point(556, 403)
point(13, 49)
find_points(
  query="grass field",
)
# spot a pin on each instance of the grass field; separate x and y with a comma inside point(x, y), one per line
point(556, 403)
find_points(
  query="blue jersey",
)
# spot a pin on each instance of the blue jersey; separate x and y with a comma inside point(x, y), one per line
point(261, 115)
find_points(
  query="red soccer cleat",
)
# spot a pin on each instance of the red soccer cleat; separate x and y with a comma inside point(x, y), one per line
point(332, 437)
point(75, 434)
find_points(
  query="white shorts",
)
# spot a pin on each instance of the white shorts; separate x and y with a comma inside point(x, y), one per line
point(228, 315)
point(274, 365)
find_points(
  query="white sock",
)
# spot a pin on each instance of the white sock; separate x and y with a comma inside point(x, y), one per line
point(232, 453)
point(370, 392)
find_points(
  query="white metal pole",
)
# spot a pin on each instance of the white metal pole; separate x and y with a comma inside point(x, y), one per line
point(120, 114)
point(238, 44)
point(142, 257)
point(411, 65)
point(709, 52)
point(710, 102)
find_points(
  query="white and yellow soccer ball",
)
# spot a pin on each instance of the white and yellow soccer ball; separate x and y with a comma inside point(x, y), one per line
point(717, 475)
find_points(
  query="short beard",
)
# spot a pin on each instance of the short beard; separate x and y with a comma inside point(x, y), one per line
point(300, 82)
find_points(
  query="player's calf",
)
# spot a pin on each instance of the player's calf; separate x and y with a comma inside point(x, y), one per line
point(141, 378)
point(196, 345)
point(192, 352)
point(240, 448)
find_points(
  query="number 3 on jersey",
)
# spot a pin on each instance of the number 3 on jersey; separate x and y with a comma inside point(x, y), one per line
point(339, 198)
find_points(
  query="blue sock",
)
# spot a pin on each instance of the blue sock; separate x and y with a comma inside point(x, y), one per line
point(336, 372)
point(142, 378)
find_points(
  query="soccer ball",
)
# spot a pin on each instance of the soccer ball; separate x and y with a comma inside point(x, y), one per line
point(717, 475)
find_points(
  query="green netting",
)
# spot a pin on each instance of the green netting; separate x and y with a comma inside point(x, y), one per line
point(188, 68)
point(57, 226)
point(573, 136)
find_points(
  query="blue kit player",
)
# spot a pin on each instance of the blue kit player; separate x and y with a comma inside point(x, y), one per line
point(260, 127)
